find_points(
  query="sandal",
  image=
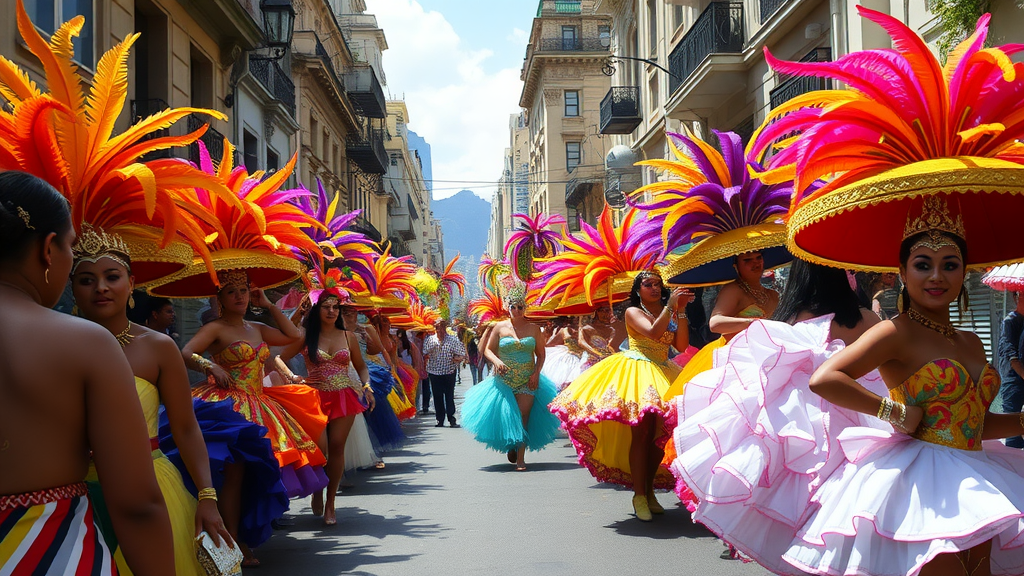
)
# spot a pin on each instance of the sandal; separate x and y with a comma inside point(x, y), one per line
point(521, 467)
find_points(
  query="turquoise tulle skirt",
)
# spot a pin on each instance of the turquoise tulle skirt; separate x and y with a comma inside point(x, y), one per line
point(491, 415)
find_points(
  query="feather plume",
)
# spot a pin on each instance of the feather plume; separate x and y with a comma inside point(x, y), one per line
point(534, 238)
point(451, 279)
point(343, 247)
point(488, 308)
point(490, 270)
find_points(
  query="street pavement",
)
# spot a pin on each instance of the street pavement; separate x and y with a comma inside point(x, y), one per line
point(444, 505)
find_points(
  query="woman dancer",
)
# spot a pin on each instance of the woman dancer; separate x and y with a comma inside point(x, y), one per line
point(289, 413)
point(328, 349)
point(52, 414)
point(404, 409)
point(102, 284)
point(385, 430)
point(565, 361)
point(619, 402)
point(597, 335)
point(498, 411)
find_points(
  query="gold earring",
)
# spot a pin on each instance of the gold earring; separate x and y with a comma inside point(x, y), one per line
point(131, 301)
point(46, 275)
point(74, 310)
point(901, 302)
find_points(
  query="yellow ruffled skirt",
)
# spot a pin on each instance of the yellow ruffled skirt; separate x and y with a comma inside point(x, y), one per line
point(602, 404)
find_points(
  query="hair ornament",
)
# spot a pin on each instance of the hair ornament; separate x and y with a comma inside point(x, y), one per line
point(23, 214)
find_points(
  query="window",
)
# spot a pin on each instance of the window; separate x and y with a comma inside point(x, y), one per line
point(569, 37)
point(573, 218)
point(314, 131)
point(250, 155)
point(200, 78)
point(677, 16)
point(572, 155)
point(604, 33)
point(652, 26)
point(273, 162)
point(572, 103)
point(327, 148)
point(47, 14)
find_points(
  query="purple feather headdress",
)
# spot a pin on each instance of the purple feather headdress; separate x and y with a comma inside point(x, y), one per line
point(535, 238)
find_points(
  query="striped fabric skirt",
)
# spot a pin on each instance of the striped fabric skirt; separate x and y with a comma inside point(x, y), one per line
point(51, 532)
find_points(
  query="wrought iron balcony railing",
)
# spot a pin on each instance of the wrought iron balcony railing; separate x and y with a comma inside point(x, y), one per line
point(366, 148)
point(269, 73)
point(620, 110)
point(594, 44)
point(797, 85)
point(328, 62)
point(769, 8)
point(718, 30)
point(213, 139)
point(365, 91)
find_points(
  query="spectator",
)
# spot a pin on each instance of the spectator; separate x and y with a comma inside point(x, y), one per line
point(1011, 371)
point(160, 316)
point(884, 297)
point(443, 352)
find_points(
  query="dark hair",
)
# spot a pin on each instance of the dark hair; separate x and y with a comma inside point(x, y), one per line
point(30, 209)
point(313, 328)
point(819, 290)
point(634, 292)
point(403, 340)
point(157, 304)
point(910, 241)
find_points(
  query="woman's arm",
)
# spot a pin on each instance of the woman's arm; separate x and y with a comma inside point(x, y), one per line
point(682, 341)
point(491, 351)
point(999, 426)
point(119, 439)
point(176, 396)
point(539, 356)
point(723, 317)
point(193, 351)
point(373, 342)
point(356, 358)
point(417, 358)
point(289, 352)
point(641, 324)
point(584, 340)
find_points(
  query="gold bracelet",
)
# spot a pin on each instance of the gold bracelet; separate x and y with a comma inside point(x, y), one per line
point(202, 362)
point(207, 494)
point(881, 409)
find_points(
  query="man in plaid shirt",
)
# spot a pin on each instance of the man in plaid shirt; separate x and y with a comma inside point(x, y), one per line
point(443, 353)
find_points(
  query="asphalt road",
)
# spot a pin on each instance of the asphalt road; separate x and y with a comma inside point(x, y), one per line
point(444, 505)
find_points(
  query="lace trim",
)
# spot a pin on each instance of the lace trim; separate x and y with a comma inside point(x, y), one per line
point(40, 497)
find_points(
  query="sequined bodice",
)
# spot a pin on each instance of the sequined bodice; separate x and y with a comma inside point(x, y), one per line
point(654, 350)
point(331, 373)
point(954, 405)
point(244, 363)
point(602, 346)
point(573, 347)
point(518, 356)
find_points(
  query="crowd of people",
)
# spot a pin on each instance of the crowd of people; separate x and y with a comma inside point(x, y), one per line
point(841, 425)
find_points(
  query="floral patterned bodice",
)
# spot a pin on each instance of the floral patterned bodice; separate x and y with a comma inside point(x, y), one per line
point(601, 345)
point(244, 363)
point(654, 350)
point(518, 356)
point(573, 347)
point(954, 405)
point(331, 373)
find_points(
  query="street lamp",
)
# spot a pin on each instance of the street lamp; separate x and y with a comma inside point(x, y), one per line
point(609, 65)
point(278, 26)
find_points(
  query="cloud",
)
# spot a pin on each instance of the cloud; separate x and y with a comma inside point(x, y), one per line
point(454, 101)
point(519, 37)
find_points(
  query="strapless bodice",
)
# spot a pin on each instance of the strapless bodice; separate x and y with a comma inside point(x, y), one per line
point(752, 311)
point(244, 363)
point(149, 397)
point(654, 350)
point(332, 371)
point(954, 405)
point(518, 356)
point(574, 347)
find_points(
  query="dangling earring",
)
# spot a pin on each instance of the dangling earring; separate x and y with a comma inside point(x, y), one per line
point(903, 302)
point(131, 300)
point(46, 275)
point(74, 310)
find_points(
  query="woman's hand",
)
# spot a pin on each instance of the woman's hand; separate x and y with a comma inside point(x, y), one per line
point(208, 519)
point(500, 368)
point(913, 419)
point(220, 376)
point(259, 299)
point(296, 379)
point(368, 399)
point(679, 296)
point(534, 382)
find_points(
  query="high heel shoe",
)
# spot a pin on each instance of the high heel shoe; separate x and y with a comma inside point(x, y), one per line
point(653, 505)
point(640, 507)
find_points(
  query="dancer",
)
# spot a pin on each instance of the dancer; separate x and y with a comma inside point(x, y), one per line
point(102, 284)
point(596, 336)
point(565, 357)
point(499, 411)
point(619, 402)
point(52, 414)
point(385, 430)
point(403, 407)
point(328, 349)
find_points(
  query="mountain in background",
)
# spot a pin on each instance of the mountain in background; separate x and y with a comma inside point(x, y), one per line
point(465, 219)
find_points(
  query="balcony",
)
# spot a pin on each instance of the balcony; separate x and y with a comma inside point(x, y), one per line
point(620, 110)
point(270, 75)
point(718, 30)
point(363, 226)
point(365, 92)
point(558, 7)
point(797, 85)
point(213, 139)
point(366, 149)
point(588, 44)
point(400, 224)
point(768, 9)
point(583, 181)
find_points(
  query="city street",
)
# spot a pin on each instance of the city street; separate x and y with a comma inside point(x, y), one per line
point(445, 505)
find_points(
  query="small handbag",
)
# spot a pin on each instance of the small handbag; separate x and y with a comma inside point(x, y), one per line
point(216, 560)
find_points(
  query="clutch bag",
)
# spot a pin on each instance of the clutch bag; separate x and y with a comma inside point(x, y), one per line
point(216, 560)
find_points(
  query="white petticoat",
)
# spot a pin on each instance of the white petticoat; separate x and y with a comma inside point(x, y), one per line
point(561, 367)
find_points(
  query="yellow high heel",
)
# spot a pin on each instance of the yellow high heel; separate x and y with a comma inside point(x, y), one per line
point(653, 505)
point(640, 507)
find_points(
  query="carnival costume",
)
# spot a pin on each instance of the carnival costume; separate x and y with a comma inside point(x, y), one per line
point(601, 345)
point(491, 413)
point(598, 408)
point(880, 502)
point(385, 430)
point(564, 363)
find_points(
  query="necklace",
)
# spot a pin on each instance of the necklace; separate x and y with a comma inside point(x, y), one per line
point(124, 338)
point(946, 329)
point(644, 308)
point(760, 296)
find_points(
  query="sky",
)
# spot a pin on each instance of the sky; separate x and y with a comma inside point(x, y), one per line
point(456, 63)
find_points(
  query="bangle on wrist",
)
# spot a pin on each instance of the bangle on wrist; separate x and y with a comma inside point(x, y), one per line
point(207, 494)
point(202, 362)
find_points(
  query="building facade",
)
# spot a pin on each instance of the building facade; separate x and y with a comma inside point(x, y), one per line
point(404, 182)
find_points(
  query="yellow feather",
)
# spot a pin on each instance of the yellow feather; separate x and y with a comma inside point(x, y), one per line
point(15, 85)
point(109, 88)
point(147, 180)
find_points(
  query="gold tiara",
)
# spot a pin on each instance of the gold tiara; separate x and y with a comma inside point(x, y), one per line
point(232, 277)
point(95, 243)
point(934, 218)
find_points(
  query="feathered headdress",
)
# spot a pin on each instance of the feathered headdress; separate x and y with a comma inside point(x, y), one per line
point(262, 229)
point(535, 238)
point(65, 137)
point(417, 317)
point(717, 205)
point(905, 127)
point(489, 308)
point(599, 262)
point(332, 283)
point(343, 247)
point(490, 270)
point(451, 279)
point(393, 278)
